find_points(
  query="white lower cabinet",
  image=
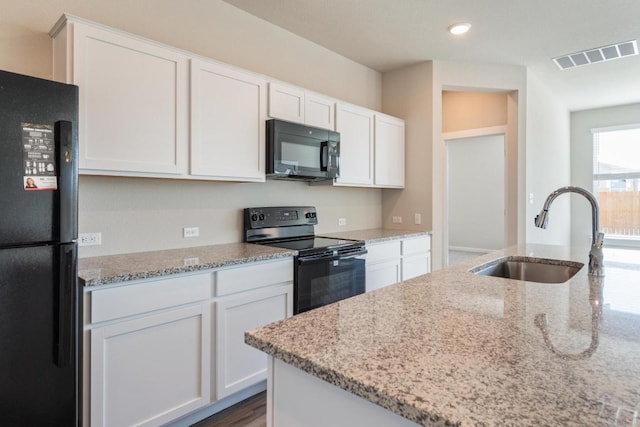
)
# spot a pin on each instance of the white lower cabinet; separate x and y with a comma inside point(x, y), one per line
point(150, 370)
point(393, 261)
point(156, 351)
point(383, 264)
point(416, 257)
point(238, 365)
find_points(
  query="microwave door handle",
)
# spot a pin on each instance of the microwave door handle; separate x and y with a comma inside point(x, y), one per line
point(324, 155)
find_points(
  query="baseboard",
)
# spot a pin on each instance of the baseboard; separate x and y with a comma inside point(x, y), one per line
point(220, 405)
point(474, 250)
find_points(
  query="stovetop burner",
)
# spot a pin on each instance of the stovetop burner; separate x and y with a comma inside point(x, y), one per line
point(312, 244)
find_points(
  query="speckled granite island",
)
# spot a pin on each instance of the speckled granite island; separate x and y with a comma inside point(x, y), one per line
point(454, 348)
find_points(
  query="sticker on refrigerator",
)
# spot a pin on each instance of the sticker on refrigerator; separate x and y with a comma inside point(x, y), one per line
point(39, 160)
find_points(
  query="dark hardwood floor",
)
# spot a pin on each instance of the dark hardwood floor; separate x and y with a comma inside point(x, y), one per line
point(251, 412)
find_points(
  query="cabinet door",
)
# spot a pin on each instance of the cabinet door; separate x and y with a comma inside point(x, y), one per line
point(416, 256)
point(383, 274)
point(286, 103)
point(133, 103)
point(320, 111)
point(389, 151)
point(383, 264)
point(238, 365)
point(355, 125)
point(415, 265)
point(150, 370)
point(228, 112)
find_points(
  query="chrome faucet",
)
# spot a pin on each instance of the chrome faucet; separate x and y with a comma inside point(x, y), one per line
point(596, 257)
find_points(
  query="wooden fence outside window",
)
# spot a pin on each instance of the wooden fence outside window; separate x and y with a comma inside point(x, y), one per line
point(620, 213)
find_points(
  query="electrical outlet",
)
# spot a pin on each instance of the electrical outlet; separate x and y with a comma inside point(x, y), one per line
point(89, 239)
point(342, 221)
point(397, 220)
point(191, 261)
point(417, 218)
point(190, 231)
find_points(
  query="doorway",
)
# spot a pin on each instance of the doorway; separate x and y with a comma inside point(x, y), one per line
point(475, 194)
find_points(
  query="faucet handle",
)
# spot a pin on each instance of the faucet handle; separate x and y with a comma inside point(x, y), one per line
point(599, 240)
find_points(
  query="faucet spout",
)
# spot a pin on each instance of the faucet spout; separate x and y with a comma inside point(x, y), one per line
point(596, 257)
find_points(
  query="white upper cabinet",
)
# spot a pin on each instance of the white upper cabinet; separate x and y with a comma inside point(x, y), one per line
point(228, 113)
point(296, 105)
point(150, 110)
point(286, 103)
point(389, 151)
point(320, 111)
point(355, 125)
point(133, 100)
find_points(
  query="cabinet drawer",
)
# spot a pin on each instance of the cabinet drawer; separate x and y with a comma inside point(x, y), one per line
point(254, 276)
point(142, 297)
point(416, 245)
point(383, 251)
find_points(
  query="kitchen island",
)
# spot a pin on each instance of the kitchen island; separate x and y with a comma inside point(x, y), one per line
point(455, 348)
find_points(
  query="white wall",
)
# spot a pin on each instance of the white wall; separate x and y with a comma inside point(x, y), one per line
point(548, 163)
point(476, 192)
point(582, 159)
point(145, 214)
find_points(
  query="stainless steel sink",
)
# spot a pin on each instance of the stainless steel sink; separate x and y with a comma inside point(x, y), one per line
point(530, 269)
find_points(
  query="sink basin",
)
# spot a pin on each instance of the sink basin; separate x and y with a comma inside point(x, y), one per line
point(530, 269)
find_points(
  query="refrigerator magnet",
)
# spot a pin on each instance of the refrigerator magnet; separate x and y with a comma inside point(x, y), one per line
point(39, 160)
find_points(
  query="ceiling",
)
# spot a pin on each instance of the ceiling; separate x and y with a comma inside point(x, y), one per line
point(388, 34)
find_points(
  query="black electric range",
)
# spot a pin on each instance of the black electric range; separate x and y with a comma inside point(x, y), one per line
point(326, 270)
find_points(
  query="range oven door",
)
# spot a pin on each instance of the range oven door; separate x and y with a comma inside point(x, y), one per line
point(327, 278)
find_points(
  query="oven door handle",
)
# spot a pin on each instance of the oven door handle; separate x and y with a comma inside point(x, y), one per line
point(324, 258)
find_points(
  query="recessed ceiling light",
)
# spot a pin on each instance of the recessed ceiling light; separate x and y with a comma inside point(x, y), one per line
point(460, 28)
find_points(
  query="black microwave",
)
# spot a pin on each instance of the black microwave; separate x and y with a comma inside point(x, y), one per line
point(302, 153)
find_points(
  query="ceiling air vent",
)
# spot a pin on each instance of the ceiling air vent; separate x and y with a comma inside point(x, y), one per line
point(598, 54)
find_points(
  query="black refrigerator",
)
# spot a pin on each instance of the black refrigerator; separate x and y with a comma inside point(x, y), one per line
point(40, 298)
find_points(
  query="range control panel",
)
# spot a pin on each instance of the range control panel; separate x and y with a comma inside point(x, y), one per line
point(283, 216)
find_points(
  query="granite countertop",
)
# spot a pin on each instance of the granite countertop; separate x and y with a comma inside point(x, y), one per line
point(454, 348)
point(375, 235)
point(105, 270)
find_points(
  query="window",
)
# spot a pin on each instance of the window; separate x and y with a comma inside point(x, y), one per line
point(616, 183)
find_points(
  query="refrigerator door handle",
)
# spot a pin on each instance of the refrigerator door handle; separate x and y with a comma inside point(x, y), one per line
point(63, 347)
point(67, 180)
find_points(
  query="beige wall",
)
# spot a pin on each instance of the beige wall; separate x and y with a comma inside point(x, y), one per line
point(407, 93)
point(147, 214)
point(582, 159)
point(473, 110)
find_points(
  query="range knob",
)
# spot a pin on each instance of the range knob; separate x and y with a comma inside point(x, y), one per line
point(261, 216)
